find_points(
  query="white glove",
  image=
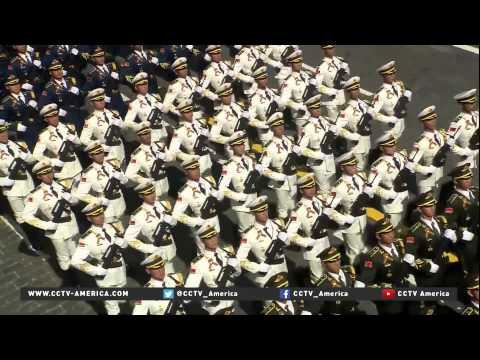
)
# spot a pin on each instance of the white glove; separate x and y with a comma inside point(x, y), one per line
point(470, 152)
point(114, 75)
point(100, 271)
point(282, 236)
point(359, 284)
point(108, 99)
point(410, 165)
point(467, 235)
point(74, 51)
point(23, 155)
point(105, 201)
point(27, 87)
point(21, 127)
point(71, 137)
point(450, 141)
point(169, 220)
point(32, 103)
point(160, 155)
point(5, 181)
point(327, 211)
point(204, 132)
point(62, 113)
point(120, 241)
point(292, 192)
point(74, 90)
point(433, 267)
point(189, 47)
point(333, 129)
point(408, 95)
point(431, 169)
point(264, 268)
point(313, 81)
point(37, 63)
point(246, 114)
point(392, 120)
point(117, 175)
point(296, 149)
point(231, 74)
point(217, 194)
point(199, 221)
point(409, 259)
point(305, 312)
point(30, 49)
point(154, 60)
point(207, 58)
point(392, 195)
point(117, 122)
point(51, 226)
point(199, 90)
point(260, 168)
point(368, 190)
point(309, 242)
point(64, 72)
point(349, 219)
point(214, 97)
point(450, 235)
point(57, 163)
point(354, 136)
point(303, 108)
point(66, 196)
point(233, 262)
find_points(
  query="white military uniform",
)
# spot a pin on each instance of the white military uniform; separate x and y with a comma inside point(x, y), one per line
point(259, 104)
point(91, 187)
point(345, 192)
point(141, 108)
point(140, 166)
point(382, 174)
point(142, 226)
point(158, 307)
point(192, 196)
point(38, 212)
point(326, 73)
point(91, 247)
point(183, 143)
point(248, 56)
point(347, 123)
point(48, 145)
point(275, 52)
point(23, 184)
point(384, 103)
point(464, 126)
point(206, 268)
point(324, 169)
point(214, 75)
point(232, 183)
point(226, 124)
point(291, 95)
point(257, 239)
point(300, 231)
point(95, 128)
point(274, 156)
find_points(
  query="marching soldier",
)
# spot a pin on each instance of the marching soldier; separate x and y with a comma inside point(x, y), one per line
point(248, 59)
point(71, 56)
point(461, 211)
point(99, 254)
point(27, 66)
point(262, 104)
point(332, 73)
point(199, 196)
point(65, 93)
point(100, 182)
point(389, 103)
point(106, 76)
point(387, 265)
point(159, 278)
point(274, 162)
point(47, 208)
point(57, 143)
point(231, 118)
point(141, 61)
point(216, 267)
point(426, 148)
point(354, 122)
point(466, 123)
point(283, 306)
point(149, 228)
point(146, 107)
point(233, 181)
point(472, 290)
point(345, 193)
point(316, 146)
point(306, 228)
point(383, 173)
point(104, 126)
point(265, 239)
point(337, 276)
point(21, 109)
point(147, 162)
point(189, 138)
point(15, 180)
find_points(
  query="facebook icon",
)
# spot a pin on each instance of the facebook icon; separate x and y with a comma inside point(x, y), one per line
point(284, 294)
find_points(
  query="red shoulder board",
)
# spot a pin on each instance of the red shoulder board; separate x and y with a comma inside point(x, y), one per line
point(368, 264)
point(410, 239)
point(449, 210)
point(30, 199)
point(192, 270)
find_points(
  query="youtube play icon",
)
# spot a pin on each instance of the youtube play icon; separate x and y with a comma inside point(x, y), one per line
point(388, 294)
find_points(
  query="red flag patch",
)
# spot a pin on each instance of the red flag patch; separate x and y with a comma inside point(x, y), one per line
point(368, 264)
point(410, 239)
point(449, 210)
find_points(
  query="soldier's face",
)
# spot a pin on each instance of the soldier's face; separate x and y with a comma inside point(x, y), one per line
point(315, 112)
point(468, 107)
point(216, 57)
point(150, 198)
point(212, 243)
point(15, 88)
point(262, 216)
point(53, 120)
point(349, 169)
point(309, 192)
point(387, 238)
point(239, 150)
point(142, 88)
point(389, 78)
point(98, 158)
point(464, 184)
point(278, 131)
point(333, 267)
point(99, 105)
point(430, 124)
point(182, 73)
point(188, 116)
point(98, 220)
point(474, 294)
point(226, 100)
point(297, 66)
point(57, 74)
point(157, 274)
point(46, 178)
point(354, 94)
point(329, 52)
point(262, 83)
point(146, 139)
point(138, 47)
point(193, 174)
point(4, 137)
point(21, 48)
point(428, 211)
point(388, 150)
point(99, 60)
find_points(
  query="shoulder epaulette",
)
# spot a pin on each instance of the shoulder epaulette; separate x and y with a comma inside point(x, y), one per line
point(229, 249)
point(415, 226)
point(322, 280)
point(268, 143)
point(468, 311)
point(197, 259)
point(349, 269)
point(6, 99)
point(377, 162)
point(373, 251)
point(183, 188)
point(211, 180)
point(166, 205)
point(137, 150)
point(178, 278)
point(362, 175)
point(442, 219)
point(86, 233)
point(137, 210)
point(249, 228)
point(268, 309)
point(43, 130)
